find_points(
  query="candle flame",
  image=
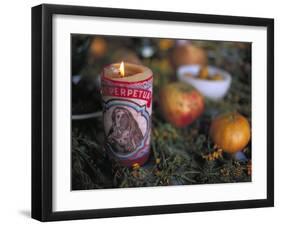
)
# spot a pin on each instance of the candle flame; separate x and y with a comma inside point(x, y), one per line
point(122, 69)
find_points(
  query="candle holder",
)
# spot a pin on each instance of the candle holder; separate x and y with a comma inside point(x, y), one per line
point(127, 106)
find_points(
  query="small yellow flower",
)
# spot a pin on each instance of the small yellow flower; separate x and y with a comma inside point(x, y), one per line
point(215, 155)
point(135, 166)
point(157, 160)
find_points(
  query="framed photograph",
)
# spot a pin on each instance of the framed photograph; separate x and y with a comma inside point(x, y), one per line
point(147, 112)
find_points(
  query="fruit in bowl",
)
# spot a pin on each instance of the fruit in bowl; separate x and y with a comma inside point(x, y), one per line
point(205, 74)
point(211, 81)
point(181, 104)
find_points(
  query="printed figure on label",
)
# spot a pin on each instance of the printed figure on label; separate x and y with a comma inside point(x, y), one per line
point(124, 135)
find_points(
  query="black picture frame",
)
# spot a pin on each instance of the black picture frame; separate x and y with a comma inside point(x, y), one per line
point(42, 111)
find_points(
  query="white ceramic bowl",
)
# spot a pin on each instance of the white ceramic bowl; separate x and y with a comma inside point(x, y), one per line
point(213, 89)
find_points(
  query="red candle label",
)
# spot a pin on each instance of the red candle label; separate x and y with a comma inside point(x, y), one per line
point(128, 93)
point(127, 119)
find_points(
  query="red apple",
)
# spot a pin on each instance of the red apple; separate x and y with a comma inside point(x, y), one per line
point(181, 104)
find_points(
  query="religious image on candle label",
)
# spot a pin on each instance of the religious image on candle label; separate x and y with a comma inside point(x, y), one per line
point(126, 129)
point(124, 135)
point(151, 112)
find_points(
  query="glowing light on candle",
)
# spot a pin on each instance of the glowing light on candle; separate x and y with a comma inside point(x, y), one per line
point(122, 69)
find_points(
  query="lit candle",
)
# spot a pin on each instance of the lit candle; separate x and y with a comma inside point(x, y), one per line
point(127, 106)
